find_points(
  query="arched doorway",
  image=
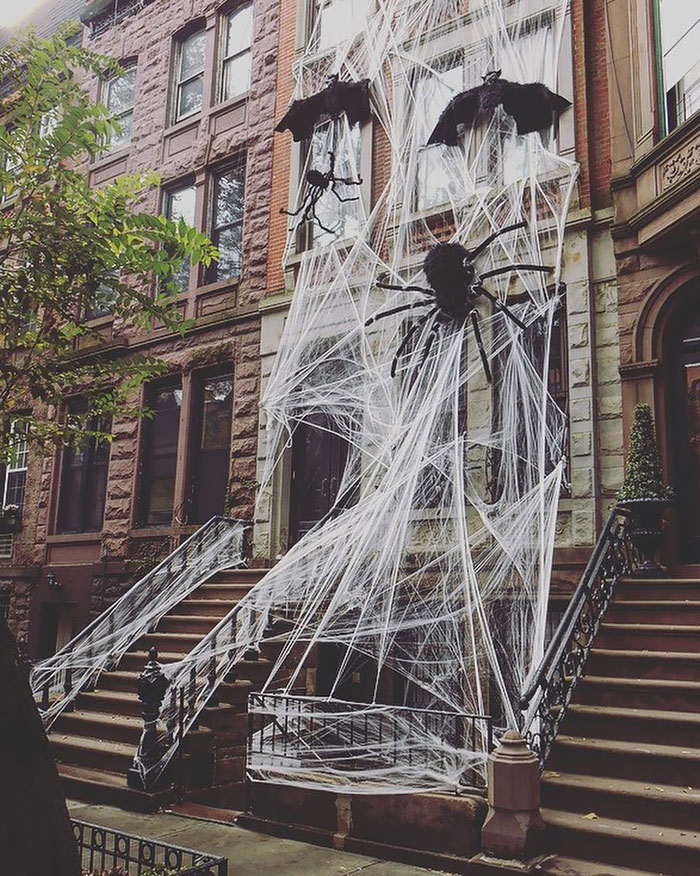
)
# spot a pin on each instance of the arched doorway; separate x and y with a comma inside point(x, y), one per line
point(681, 355)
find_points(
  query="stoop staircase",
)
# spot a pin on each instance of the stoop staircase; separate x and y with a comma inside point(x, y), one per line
point(622, 785)
point(94, 744)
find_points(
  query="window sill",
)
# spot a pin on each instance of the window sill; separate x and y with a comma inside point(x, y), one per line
point(70, 537)
point(183, 124)
point(109, 158)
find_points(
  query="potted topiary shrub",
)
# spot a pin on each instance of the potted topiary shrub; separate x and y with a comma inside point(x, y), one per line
point(643, 492)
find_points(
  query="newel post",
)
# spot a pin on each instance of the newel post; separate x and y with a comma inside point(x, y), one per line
point(152, 685)
point(512, 837)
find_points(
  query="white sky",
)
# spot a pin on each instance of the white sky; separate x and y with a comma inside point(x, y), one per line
point(13, 11)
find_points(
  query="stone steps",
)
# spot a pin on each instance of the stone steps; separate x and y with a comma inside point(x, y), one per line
point(634, 725)
point(640, 693)
point(619, 663)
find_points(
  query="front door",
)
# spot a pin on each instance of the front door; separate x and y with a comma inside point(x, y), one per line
point(685, 433)
point(318, 461)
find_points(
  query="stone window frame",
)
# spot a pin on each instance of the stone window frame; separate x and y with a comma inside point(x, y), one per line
point(224, 13)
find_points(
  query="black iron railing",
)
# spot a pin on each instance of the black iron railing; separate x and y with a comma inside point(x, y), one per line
point(56, 681)
point(545, 702)
point(102, 849)
point(300, 735)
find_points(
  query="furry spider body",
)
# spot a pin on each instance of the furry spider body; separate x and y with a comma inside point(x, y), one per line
point(318, 184)
point(454, 285)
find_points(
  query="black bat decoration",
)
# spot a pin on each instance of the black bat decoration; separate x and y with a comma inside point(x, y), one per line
point(531, 106)
point(351, 98)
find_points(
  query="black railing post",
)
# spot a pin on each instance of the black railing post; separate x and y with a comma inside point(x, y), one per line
point(152, 685)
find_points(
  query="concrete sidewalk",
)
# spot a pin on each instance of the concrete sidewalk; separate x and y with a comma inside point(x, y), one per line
point(249, 853)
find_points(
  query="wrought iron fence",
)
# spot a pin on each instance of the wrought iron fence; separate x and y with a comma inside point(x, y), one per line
point(545, 703)
point(102, 848)
point(56, 681)
point(301, 735)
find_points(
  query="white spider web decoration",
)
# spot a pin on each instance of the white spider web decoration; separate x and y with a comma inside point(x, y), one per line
point(431, 579)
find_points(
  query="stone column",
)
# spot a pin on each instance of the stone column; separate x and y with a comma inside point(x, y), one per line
point(512, 838)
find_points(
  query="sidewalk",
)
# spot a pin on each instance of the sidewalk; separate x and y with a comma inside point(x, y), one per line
point(249, 853)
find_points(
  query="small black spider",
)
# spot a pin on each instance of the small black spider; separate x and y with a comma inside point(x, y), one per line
point(319, 183)
point(454, 287)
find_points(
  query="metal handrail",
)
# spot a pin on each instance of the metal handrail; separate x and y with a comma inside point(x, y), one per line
point(545, 701)
point(56, 681)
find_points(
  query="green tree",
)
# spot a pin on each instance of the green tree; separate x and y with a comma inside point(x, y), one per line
point(643, 477)
point(67, 248)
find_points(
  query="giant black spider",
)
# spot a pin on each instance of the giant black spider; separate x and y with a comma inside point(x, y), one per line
point(318, 184)
point(454, 287)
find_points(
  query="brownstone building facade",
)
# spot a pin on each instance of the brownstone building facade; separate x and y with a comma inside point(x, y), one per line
point(196, 104)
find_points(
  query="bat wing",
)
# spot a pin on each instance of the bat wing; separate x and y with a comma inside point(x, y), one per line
point(351, 98)
point(462, 109)
point(531, 105)
point(302, 115)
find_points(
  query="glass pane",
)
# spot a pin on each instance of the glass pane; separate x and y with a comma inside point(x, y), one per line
point(192, 55)
point(229, 243)
point(210, 466)
point(180, 204)
point(190, 97)
point(341, 20)
point(14, 488)
point(160, 457)
point(120, 92)
point(236, 75)
point(239, 34)
point(123, 138)
point(229, 197)
point(341, 218)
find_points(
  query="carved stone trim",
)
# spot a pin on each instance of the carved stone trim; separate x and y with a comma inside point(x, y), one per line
point(680, 164)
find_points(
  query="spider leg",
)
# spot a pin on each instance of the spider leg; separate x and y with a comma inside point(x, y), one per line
point(393, 310)
point(434, 329)
point(333, 182)
point(544, 269)
point(312, 215)
point(409, 334)
point(382, 285)
point(497, 303)
point(487, 241)
point(331, 157)
point(480, 345)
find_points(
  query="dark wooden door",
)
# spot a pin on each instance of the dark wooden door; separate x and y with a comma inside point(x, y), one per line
point(318, 462)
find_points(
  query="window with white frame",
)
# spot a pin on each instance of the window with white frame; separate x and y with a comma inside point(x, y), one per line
point(118, 97)
point(679, 36)
point(339, 20)
point(16, 468)
point(433, 91)
point(189, 75)
point(340, 218)
point(237, 40)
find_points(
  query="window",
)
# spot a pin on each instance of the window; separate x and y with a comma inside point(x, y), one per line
point(341, 218)
point(339, 20)
point(104, 299)
point(48, 123)
point(180, 204)
point(237, 39)
point(432, 93)
point(211, 447)
point(16, 469)
point(189, 75)
point(81, 503)
point(227, 221)
point(119, 100)
point(680, 62)
point(159, 456)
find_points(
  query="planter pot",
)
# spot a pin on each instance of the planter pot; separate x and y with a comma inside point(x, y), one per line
point(647, 533)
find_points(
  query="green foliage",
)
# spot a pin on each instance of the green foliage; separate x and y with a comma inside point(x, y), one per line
point(643, 478)
point(67, 248)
